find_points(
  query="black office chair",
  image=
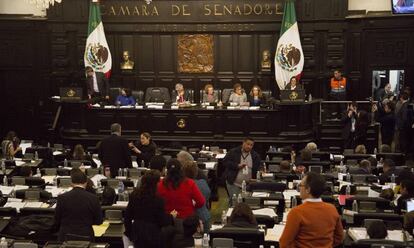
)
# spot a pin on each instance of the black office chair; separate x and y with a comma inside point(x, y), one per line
point(113, 94)
point(157, 94)
point(392, 221)
point(378, 243)
point(380, 203)
point(242, 237)
point(225, 96)
point(138, 95)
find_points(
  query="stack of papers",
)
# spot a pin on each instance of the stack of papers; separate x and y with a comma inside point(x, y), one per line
point(55, 191)
point(260, 194)
point(12, 203)
point(275, 233)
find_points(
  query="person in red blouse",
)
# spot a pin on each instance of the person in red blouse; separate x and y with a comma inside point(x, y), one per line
point(179, 192)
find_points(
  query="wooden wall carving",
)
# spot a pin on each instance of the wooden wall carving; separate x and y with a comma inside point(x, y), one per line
point(195, 53)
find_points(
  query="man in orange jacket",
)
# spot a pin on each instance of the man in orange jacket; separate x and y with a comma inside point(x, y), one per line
point(338, 91)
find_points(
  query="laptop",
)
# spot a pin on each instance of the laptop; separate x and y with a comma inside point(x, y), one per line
point(292, 95)
point(410, 205)
point(70, 94)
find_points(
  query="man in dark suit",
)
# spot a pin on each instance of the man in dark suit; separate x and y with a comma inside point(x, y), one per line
point(77, 210)
point(114, 151)
point(97, 84)
point(242, 164)
point(349, 120)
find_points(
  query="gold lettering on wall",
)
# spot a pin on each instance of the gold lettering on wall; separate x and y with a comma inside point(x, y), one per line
point(138, 10)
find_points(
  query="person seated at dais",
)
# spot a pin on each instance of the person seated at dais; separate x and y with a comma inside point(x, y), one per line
point(293, 84)
point(125, 99)
point(256, 97)
point(238, 95)
point(180, 95)
point(209, 95)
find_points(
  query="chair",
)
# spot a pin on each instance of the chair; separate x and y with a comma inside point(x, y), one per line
point(34, 181)
point(242, 237)
point(378, 243)
point(267, 186)
point(92, 172)
point(225, 96)
point(222, 243)
point(50, 171)
point(267, 94)
point(18, 180)
point(114, 216)
point(138, 95)
point(157, 94)
point(113, 94)
point(64, 182)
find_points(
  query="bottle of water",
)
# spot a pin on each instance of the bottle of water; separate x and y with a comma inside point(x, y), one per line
point(38, 173)
point(341, 163)
point(55, 182)
point(36, 156)
point(65, 163)
point(270, 149)
point(355, 206)
point(267, 158)
point(393, 178)
point(348, 190)
point(294, 202)
point(310, 97)
point(120, 172)
point(125, 172)
point(3, 167)
point(5, 181)
point(244, 187)
point(48, 144)
point(234, 200)
point(142, 163)
point(206, 241)
point(261, 246)
point(121, 187)
point(258, 176)
point(3, 243)
point(203, 148)
point(375, 150)
point(239, 198)
point(348, 177)
point(223, 218)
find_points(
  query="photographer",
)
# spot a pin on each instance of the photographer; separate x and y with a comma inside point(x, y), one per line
point(384, 114)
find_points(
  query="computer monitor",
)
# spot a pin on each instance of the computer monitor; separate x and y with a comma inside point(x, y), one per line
point(316, 169)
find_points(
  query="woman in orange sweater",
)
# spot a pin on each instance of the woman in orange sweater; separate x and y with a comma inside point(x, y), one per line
point(313, 223)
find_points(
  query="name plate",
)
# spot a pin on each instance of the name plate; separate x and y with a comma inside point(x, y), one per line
point(139, 107)
point(174, 107)
point(210, 107)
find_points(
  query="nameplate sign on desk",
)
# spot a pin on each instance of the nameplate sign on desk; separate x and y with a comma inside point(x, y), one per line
point(155, 106)
point(210, 107)
point(174, 107)
point(139, 107)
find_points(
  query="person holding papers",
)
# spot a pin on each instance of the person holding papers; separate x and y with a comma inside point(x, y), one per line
point(77, 210)
point(313, 223)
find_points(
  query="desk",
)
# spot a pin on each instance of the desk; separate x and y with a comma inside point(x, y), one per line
point(285, 123)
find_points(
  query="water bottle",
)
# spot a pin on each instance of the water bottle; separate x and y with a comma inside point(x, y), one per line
point(203, 148)
point(48, 144)
point(142, 163)
point(348, 190)
point(223, 218)
point(3, 243)
point(5, 181)
point(120, 187)
point(375, 150)
point(38, 173)
point(294, 202)
point(261, 246)
point(120, 172)
point(267, 158)
point(55, 182)
point(206, 241)
point(348, 177)
point(36, 155)
point(341, 163)
point(310, 97)
point(3, 167)
point(270, 149)
point(258, 176)
point(355, 206)
point(125, 172)
point(239, 198)
point(234, 200)
point(393, 178)
point(65, 163)
point(244, 186)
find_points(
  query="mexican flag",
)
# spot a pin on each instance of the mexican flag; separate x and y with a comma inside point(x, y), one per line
point(289, 57)
point(97, 54)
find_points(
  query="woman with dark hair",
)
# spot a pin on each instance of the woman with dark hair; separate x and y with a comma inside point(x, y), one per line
point(293, 84)
point(144, 215)
point(242, 216)
point(10, 145)
point(80, 154)
point(256, 96)
point(125, 99)
point(179, 192)
point(144, 149)
point(361, 126)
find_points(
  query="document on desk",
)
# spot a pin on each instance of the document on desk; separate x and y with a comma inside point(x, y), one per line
point(16, 205)
point(266, 212)
point(357, 233)
point(48, 179)
point(275, 233)
point(33, 204)
point(6, 190)
point(288, 194)
point(24, 146)
point(20, 187)
point(210, 165)
point(101, 229)
point(260, 194)
point(19, 163)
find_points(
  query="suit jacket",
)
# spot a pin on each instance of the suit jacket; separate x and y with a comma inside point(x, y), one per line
point(186, 96)
point(114, 152)
point(298, 86)
point(76, 212)
point(102, 81)
point(215, 97)
point(262, 100)
point(347, 121)
point(232, 161)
